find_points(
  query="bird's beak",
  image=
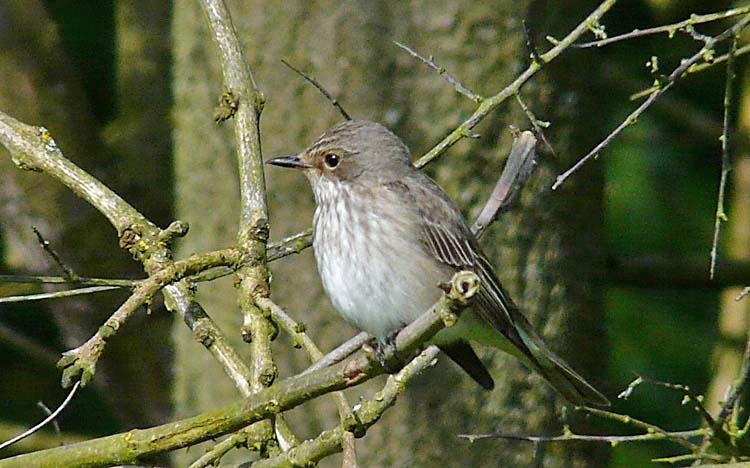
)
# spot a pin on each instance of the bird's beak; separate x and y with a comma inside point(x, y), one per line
point(289, 161)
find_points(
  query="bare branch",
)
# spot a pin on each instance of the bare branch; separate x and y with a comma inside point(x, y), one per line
point(297, 334)
point(726, 162)
point(365, 414)
point(283, 395)
point(461, 89)
point(56, 294)
point(341, 352)
point(696, 68)
point(48, 412)
point(81, 362)
point(739, 388)
point(612, 439)
point(252, 237)
point(489, 104)
point(663, 87)
point(537, 125)
point(67, 271)
point(518, 169)
point(637, 423)
point(334, 102)
point(670, 29)
point(33, 148)
point(291, 245)
point(31, 279)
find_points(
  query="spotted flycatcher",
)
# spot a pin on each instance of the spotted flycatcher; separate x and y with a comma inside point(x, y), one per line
point(385, 235)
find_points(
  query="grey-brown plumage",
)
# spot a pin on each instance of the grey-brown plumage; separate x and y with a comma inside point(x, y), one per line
point(385, 235)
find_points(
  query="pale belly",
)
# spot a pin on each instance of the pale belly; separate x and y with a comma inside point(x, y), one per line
point(374, 270)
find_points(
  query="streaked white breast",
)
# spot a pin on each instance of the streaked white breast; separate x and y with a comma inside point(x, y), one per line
point(370, 260)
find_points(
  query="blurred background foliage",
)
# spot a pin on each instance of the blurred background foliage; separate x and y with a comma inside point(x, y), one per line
point(660, 194)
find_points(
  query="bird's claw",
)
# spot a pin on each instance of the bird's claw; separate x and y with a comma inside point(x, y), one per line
point(387, 355)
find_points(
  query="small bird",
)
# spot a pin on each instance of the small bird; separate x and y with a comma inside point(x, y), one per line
point(385, 235)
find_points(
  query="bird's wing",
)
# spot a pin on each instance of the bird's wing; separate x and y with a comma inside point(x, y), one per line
point(492, 304)
point(444, 234)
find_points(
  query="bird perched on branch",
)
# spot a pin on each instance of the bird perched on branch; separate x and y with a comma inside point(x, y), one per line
point(385, 235)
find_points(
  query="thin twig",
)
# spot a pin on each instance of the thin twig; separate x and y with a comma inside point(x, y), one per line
point(698, 457)
point(213, 456)
point(47, 247)
point(688, 395)
point(79, 363)
point(669, 28)
point(491, 103)
point(48, 412)
point(33, 279)
point(56, 294)
point(726, 162)
point(696, 68)
point(33, 148)
point(293, 244)
point(637, 423)
point(738, 388)
point(538, 125)
point(45, 421)
point(341, 352)
point(334, 102)
point(663, 87)
point(612, 439)
point(461, 89)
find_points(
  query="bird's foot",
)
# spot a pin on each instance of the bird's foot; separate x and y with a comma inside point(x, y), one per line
point(387, 355)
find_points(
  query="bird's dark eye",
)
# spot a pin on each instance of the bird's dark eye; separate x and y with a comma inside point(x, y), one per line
point(332, 160)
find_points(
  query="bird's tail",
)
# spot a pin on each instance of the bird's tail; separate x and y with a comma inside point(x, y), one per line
point(559, 374)
point(528, 348)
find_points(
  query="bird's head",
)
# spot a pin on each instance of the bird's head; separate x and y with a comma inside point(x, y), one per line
point(350, 151)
